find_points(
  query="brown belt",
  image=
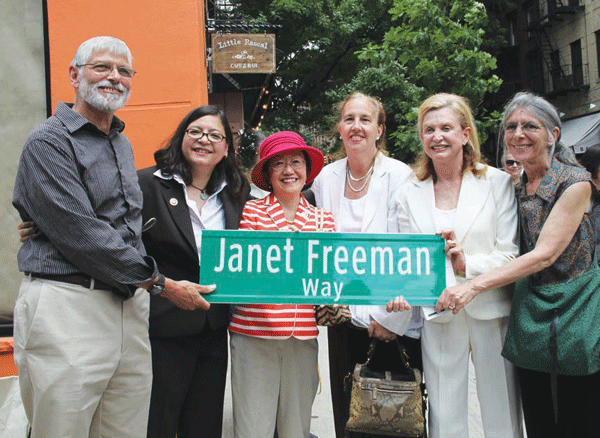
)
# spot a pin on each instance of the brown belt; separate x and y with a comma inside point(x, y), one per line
point(78, 279)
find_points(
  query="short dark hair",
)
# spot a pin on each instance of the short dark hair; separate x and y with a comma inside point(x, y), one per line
point(170, 160)
point(591, 160)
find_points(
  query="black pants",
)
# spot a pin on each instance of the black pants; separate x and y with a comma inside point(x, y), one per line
point(348, 345)
point(578, 405)
point(188, 385)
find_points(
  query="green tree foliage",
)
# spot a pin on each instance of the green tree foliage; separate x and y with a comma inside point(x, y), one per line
point(316, 52)
point(399, 50)
point(434, 46)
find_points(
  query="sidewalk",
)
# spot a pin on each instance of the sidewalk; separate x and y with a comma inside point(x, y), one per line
point(322, 413)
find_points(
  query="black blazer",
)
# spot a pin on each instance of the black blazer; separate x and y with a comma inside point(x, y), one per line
point(170, 241)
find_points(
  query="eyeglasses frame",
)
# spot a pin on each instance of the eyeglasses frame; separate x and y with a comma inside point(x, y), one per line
point(113, 67)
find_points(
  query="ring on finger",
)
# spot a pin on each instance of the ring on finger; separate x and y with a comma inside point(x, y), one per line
point(451, 307)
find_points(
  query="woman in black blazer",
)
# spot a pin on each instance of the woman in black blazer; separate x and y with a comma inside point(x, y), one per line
point(195, 185)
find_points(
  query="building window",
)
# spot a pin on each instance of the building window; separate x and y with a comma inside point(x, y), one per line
point(577, 62)
point(555, 70)
point(534, 68)
point(512, 29)
point(531, 16)
point(598, 50)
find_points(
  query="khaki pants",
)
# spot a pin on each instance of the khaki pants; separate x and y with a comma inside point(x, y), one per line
point(273, 380)
point(84, 360)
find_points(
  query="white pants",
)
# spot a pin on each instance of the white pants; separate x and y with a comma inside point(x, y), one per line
point(273, 380)
point(84, 361)
point(446, 349)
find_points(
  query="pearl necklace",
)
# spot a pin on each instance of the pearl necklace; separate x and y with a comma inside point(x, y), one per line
point(365, 177)
point(369, 172)
point(203, 194)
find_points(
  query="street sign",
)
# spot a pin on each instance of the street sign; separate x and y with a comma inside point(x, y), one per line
point(272, 267)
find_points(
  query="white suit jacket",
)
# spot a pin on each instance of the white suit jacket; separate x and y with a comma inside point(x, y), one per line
point(485, 225)
point(388, 176)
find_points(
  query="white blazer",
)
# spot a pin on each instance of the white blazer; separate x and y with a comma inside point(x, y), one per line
point(388, 176)
point(485, 225)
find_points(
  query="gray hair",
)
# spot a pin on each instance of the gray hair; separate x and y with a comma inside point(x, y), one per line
point(99, 44)
point(547, 114)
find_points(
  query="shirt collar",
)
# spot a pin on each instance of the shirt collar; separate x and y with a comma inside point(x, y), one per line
point(74, 121)
point(270, 199)
point(545, 190)
point(179, 179)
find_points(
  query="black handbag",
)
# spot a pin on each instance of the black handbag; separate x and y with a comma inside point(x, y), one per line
point(387, 402)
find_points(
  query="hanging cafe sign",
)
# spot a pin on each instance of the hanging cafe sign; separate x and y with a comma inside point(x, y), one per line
point(270, 267)
point(243, 53)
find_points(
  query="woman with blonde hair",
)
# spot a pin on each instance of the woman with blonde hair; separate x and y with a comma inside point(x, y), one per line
point(358, 189)
point(553, 335)
point(473, 207)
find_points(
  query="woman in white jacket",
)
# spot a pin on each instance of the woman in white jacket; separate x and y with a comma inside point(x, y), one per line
point(473, 207)
point(358, 190)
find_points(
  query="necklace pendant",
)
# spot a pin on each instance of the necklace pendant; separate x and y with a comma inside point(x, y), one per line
point(203, 196)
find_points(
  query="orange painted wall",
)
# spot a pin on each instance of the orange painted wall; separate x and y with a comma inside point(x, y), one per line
point(167, 40)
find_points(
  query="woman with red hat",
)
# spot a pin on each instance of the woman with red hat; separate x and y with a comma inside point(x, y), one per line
point(274, 374)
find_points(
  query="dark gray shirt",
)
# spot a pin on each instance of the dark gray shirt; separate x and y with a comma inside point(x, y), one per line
point(80, 187)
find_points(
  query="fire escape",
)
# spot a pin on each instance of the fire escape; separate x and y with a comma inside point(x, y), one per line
point(555, 77)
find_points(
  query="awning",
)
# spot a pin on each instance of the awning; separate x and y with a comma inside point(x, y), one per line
point(581, 133)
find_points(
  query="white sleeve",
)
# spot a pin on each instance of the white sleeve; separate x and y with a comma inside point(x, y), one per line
point(396, 322)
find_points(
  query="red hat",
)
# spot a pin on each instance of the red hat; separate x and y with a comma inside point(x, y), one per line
point(282, 142)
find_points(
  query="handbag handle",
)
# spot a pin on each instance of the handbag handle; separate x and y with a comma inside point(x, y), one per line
point(401, 348)
point(403, 359)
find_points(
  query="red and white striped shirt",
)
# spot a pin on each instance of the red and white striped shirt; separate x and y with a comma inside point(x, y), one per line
point(278, 321)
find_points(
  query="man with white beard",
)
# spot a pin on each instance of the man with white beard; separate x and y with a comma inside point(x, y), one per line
point(81, 317)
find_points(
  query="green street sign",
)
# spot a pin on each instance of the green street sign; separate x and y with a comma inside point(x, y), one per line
point(270, 267)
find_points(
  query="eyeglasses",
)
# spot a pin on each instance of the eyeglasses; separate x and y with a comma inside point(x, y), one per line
point(513, 163)
point(197, 134)
point(296, 164)
point(104, 69)
point(527, 127)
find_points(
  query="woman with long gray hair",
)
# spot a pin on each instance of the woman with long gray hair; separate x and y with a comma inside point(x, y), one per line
point(553, 335)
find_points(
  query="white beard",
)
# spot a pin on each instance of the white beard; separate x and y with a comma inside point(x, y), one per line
point(108, 103)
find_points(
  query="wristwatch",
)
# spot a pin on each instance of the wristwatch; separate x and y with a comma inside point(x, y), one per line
point(158, 287)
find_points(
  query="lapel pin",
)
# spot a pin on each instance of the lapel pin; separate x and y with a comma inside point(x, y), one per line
point(173, 202)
